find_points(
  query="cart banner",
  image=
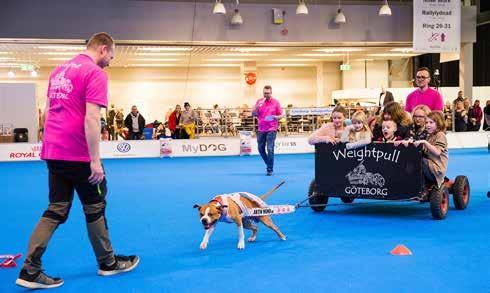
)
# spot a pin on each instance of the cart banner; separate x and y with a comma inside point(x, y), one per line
point(288, 145)
point(12, 152)
point(130, 149)
point(205, 147)
point(436, 26)
point(376, 171)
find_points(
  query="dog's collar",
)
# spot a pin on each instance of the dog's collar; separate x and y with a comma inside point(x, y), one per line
point(218, 200)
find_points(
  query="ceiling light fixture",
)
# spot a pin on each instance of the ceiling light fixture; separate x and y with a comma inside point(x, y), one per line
point(332, 50)
point(62, 47)
point(236, 19)
point(385, 9)
point(321, 54)
point(255, 49)
point(340, 17)
point(241, 54)
point(34, 73)
point(219, 8)
point(156, 59)
point(301, 9)
point(157, 49)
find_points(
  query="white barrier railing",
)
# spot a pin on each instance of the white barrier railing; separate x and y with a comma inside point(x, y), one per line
point(11, 152)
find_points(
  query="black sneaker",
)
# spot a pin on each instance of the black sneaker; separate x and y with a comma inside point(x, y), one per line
point(122, 264)
point(269, 173)
point(37, 280)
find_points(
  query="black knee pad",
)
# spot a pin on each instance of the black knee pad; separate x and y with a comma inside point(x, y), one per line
point(58, 211)
point(94, 211)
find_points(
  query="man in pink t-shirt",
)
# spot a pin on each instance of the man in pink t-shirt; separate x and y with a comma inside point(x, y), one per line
point(268, 112)
point(76, 93)
point(424, 95)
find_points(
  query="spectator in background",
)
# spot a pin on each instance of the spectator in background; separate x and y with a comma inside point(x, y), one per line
point(460, 116)
point(188, 121)
point(486, 116)
point(119, 131)
point(215, 119)
point(174, 122)
point(111, 115)
point(135, 123)
point(424, 95)
point(386, 97)
point(475, 115)
point(167, 115)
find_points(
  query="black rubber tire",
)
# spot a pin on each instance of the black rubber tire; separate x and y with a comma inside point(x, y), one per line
point(439, 203)
point(347, 199)
point(318, 199)
point(461, 192)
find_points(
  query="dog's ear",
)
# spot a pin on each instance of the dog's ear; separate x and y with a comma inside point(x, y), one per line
point(196, 206)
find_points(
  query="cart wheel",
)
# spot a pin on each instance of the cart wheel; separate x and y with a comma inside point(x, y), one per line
point(461, 192)
point(439, 202)
point(347, 199)
point(317, 200)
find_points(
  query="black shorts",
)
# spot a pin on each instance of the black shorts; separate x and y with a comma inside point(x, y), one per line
point(65, 177)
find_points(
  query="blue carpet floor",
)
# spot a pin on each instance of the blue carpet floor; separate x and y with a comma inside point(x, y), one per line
point(344, 249)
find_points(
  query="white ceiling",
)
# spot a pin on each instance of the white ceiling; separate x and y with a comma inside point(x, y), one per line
point(46, 54)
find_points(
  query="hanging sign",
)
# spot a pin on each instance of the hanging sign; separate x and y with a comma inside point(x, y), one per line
point(436, 26)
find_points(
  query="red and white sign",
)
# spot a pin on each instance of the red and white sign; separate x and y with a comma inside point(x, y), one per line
point(11, 152)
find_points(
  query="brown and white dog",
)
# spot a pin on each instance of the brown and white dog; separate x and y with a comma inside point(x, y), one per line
point(234, 207)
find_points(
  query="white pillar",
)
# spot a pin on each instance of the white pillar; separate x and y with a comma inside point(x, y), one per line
point(319, 84)
point(466, 69)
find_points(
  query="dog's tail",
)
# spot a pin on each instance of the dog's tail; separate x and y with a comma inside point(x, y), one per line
point(268, 193)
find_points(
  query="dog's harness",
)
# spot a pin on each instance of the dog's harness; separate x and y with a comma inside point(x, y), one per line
point(223, 200)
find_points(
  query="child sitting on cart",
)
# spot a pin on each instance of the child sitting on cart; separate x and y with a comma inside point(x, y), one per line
point(358, 134)
point(389, 129)
point(330, 132)
point(435, 156)
point(419, 117)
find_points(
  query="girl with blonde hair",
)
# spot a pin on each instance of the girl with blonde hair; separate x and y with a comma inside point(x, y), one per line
point(358, 134)
point(330, 132)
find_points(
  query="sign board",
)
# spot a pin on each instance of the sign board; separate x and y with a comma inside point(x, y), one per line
point(345, 67)
point(376, 171)
point(309, 111)
point(436, 26)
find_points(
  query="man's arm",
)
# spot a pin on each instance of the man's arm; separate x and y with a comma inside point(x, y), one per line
point(92, 134)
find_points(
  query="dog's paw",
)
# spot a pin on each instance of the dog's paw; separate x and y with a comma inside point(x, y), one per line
point(241, 245)
point(203, 245)
point(251, 239)
point(283, 238)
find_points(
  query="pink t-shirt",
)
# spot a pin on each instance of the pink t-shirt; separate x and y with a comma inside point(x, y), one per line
point(431, 98)
point(71, 86)
point(267, 108)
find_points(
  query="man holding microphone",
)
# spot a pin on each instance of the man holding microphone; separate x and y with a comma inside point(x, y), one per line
point(268, 112)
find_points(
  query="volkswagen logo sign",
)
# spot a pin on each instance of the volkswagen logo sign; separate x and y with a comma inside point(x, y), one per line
point(123, 147)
